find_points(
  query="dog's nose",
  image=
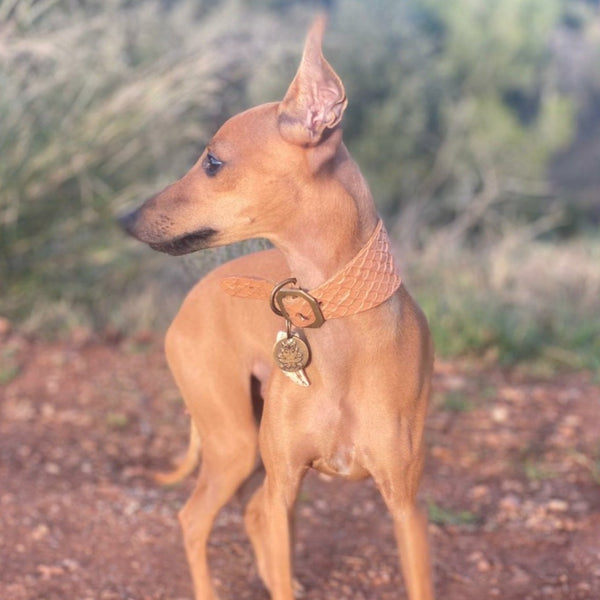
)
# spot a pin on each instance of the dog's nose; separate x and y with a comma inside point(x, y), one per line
point(128, 221)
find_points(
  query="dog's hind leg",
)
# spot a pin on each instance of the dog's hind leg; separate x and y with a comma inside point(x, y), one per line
point(228, 458)
point(187, 465)
point(221, 408)
point(224, 467)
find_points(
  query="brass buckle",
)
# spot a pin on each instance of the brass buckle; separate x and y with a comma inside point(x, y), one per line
point(299, 319)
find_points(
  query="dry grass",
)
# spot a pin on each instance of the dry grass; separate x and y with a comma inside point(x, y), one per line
point(534, 302)
point(104, 103)
point(101, 106)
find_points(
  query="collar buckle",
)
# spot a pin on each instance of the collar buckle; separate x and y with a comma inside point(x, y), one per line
point(296, 306)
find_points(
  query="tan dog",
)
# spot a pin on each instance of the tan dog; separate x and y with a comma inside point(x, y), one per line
point(355, 398)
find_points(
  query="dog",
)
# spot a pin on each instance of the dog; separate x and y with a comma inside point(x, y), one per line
point(320, 327)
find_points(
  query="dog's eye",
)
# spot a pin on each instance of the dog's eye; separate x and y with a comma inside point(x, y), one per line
point(211, 165)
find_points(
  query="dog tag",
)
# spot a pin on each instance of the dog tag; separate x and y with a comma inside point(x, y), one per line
point(291, 354)
point(298, 377)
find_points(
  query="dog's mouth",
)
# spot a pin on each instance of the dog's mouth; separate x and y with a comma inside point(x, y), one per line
point(198, 240)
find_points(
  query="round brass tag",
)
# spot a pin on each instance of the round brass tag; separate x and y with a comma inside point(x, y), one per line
point(291, 354)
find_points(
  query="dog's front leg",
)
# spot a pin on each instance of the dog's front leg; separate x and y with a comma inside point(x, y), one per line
point(224, 467)
point(410, 526)
point(269, 513)
point(398, 481)
point(268, 523)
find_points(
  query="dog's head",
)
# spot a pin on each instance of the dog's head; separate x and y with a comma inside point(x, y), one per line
point(261, 167)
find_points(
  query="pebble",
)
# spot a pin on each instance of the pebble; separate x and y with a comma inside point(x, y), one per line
point(52, 468)
point(482, 564)
point(499, 414)
point(584, 587)
point(479, 492)
point(40, 532)
point(510, 503)
point(50, 571)
point(20, 410)
point(512, 485)
point(71, 565)
point(520, 577)
point(557, 505)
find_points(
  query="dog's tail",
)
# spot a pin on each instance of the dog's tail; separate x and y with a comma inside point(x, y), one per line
point(187, 465)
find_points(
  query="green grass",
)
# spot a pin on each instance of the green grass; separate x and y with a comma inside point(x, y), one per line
point(536, 471)
point(445, 516)
point(456, 402)
point(117, 420)
point(541, 312)
point(9, 366)
point(8, 373)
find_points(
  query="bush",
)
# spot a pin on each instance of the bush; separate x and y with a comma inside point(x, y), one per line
point(456, 110)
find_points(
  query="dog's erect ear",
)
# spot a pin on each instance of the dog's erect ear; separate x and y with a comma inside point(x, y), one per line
point(316, 99)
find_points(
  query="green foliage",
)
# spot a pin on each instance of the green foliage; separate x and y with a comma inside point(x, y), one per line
point(9, 365)
point(101, 106)
point(445, 516)
point(534, 303)
point(456, 402)
point(456, 111)
point(116, 420)
point(536, 470)
point(458, 108)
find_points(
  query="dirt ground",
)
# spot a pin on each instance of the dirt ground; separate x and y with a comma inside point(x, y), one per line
point(512, 485)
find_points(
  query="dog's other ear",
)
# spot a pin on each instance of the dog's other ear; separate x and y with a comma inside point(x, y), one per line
point(316, 99)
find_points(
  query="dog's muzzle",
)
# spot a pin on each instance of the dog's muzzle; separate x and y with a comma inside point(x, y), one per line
point(183, 244)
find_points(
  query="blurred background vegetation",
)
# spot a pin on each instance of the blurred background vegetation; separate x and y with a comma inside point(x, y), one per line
point(476, 122)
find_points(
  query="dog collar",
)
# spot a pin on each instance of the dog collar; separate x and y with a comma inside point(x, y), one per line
point(367, 281)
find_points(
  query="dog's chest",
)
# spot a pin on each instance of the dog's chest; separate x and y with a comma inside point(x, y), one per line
point(341, 461)
point(339, 442)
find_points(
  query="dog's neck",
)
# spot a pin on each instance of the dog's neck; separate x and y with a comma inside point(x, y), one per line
point(315, 247)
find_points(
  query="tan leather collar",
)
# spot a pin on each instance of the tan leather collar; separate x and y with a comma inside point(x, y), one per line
point(368, 280)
